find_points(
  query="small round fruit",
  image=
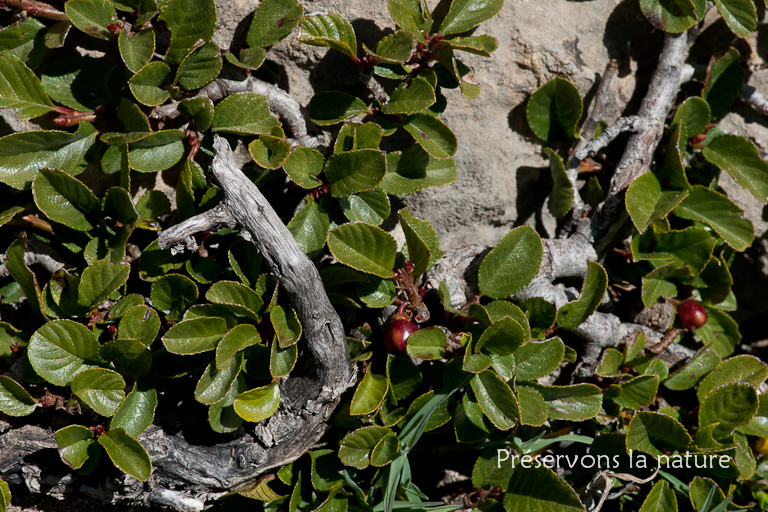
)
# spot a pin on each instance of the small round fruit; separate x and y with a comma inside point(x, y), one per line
point(692, 314)
point(397, 331)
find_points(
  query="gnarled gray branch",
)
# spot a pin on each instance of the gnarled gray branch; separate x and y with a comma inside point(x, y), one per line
point(755, 99)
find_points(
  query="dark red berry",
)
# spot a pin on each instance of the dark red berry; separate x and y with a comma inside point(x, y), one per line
point(691, 314)
point(397, 331)
point(97, 430)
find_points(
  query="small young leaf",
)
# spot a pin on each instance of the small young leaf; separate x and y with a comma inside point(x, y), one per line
point(357, 445)
point(329, 30)
point(100, 388)
point(561, 197)
point(410, 100)
point(364, 247)
point(310, 228)
point(258, 404)
point(480, 45)
point(696, 114)
point(269, 154)
point(395, 48)
point(199, 110)
point(75, 444)
point(215, 384)
point(571, 315)
point(421, 241)
point(656, 284)
point(287, 327)
point(371, 207)
point(127, 453)
point(553, 111)
point(512, 264)
point(303, 166)
point(222, 415)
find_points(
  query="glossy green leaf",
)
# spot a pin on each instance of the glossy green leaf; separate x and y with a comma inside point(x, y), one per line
point(258, 404)
point(538, 359)
point(656, 283)
point(723, 82)
point(136, 48)
point(20, 272)
point(64, 199)
point(364, 247)
point(272, 21)
point(242, 299)
point(310, 228)
point(465, 15)
point(356, 447)
point(137, 411)
point(673, 16)
point(127, 453)
point(719, 213)
point(740, 158)
point(571, 315)
point(128, 355)
point(370, 393)
point(99, 281)
point(26, 40)
point(696, 114)
point(740, 15)
point(561, 197)
point(497, 400)
point(690, 247)
point(412, 15)
point(215, 384)
point(480, 45)
point(269, 154)
point(329, 30)
point(303, 165)
point(91, 16)
point(355, 171)
point(730, 406)
point(194, 335)
point(579, 402)
point(23, 154)
point(282, 360)
point(221, 415)
point(743, 368)
point(101, 389)
point(699, 493)
point(287, 327)
point(59, 350)
point(173, 294)
point(157, 152)
point(541, 316)
point(146, 84)
point(432, 135)
point(540, 489)
point(656, 434)
point(660, 499)
point(410, 100)
point(332, 107)
point(422, 243)
point(189, 21)
point(690, 374)
point(533, 408)
point(371, 207)
point(610, 362)
point(637, 392)
point(428, 344)
point(243, 113)
point(414, 169)
point(554, 110)
point(394, 48)
point(248, 58)
point(75, 444)
point(512, 264)
point(14, 399)
point(200, 67)
point(647, 202)
point(237, 339)
point(20, 89)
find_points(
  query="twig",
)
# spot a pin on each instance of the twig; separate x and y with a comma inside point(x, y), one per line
point(36, 8)
point(633, 124)
point(369, 81)
point(638, 155)
point(755, 99)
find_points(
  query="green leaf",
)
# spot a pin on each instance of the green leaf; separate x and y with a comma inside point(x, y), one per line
point(719, 213)
point(730, 406)
point(75, 443)
point(272, 21)
point(157, 151)
point(656, 284)
point(637, 392)
point(355, 171)
point(287, 327)
point(189, 21)
point(647, 202)
point(238, 338)
point(656, 434)
point(421, 241)
point(99, 281)
point(129, 355)
point(497, 400)
point(431, 134)
point(195, 335)
point(395, 48)
point(579, 402)
point(571, 315)
point(137, 411)
point(310, 228)
point(258, 404)
point(91, 16)
point(538, 359)
point(222, 415)
point(239, 297)
point(146, 84)
point(414, 169)
point(385, 451)
point(740, 15)
point(469, 422)
point(199, 110)
point(701, 490)
point(215, 384)
point(480, 45)
point(173, 294)
point(561, 197)
point(428, 344)
point(127, 453)
point(370, 394)
point(282, 360)
point(673, 16)
point(696, 114)
point(356, 447)
point(740, 158)
point(23, 154)
point(82, 83)
point(329, 30)
point(690, 247)
point(136, 48)
point(26, 40)
point(64, 199)
point(100, 388)
point(371, 207)
point(465, 15)
point(21, 90)
point(364, 247)
point(410, 100)
point(553, 111)
point(723, 82)
point(58, 351)
point(269, 154)
point(743, 368)
point(243, 113)
point(412, 15)
point(303, 166)
point(610, 363)
point(9, 214)
point(512, 264)
point(550, 493)
point(21, 273)
point(332, 107)
point(14, 399)
point(660, 499)
point(200, 67)
point(689, 375)
point(533, 408)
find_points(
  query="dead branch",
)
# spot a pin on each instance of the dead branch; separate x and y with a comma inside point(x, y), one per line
point(754, 99)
